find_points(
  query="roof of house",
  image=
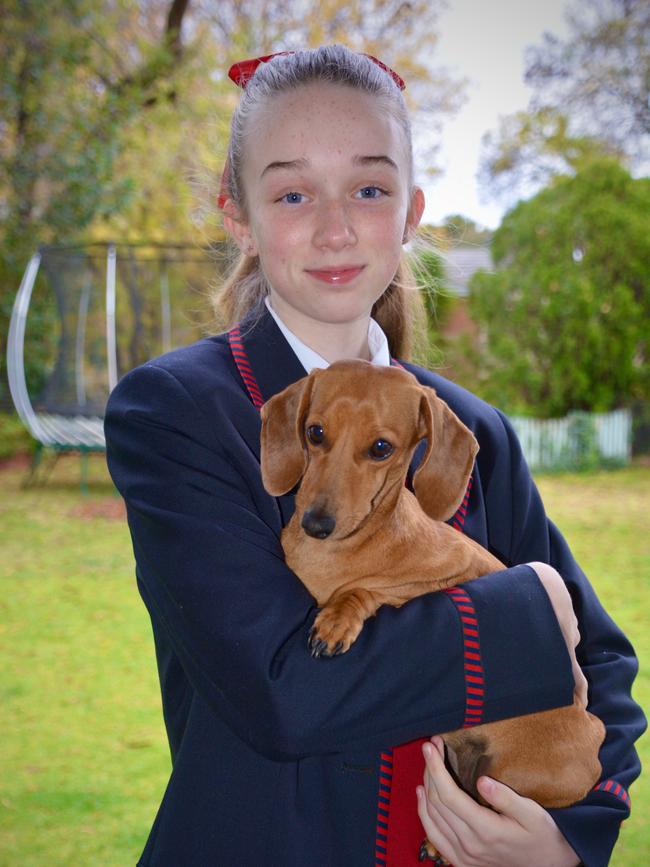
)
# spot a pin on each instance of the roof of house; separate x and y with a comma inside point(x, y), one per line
point(461, 262)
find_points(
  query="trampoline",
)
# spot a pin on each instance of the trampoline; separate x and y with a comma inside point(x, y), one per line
point(84, 316)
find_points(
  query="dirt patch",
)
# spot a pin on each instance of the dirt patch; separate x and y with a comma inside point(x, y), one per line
point(15, 462)
point(111, 508)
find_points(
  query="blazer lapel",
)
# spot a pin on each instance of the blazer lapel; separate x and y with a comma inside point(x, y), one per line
point(275, 366)
point(274, 363)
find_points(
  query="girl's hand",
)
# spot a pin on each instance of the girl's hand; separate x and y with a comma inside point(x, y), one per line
point(563, 608)
point(470, 835)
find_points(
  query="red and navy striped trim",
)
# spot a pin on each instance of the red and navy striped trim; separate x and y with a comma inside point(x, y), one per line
point(614, 788)
point(458, 521)
point(385, 780)
point(474, 689)
point(472, 663)
point(244, 368)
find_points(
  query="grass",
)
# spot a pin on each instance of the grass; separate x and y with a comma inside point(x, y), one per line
point(605, 517)
point(83, 753)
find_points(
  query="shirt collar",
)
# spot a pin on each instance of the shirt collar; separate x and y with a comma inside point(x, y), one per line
point(377, 344)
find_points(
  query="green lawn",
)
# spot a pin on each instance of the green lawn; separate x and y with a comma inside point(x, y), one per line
point(83, 754)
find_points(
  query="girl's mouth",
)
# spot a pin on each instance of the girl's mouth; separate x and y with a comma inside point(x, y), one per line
point(337, 276)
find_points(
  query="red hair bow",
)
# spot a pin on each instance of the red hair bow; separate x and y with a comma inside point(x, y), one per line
point(242, 72)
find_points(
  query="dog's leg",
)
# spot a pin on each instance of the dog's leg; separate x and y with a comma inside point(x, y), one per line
point(340, 621)
point(429, 852)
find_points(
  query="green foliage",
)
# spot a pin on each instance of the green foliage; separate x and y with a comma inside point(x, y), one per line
point(14, 437)
point(67, 97)
point(428, 269)
point(429, 272)
point(531, 147)
point(564, 317)
point(463, 230)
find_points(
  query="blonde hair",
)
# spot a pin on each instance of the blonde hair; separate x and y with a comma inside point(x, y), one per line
point(399, 310)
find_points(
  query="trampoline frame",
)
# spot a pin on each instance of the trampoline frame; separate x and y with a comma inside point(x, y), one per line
point(80, 433)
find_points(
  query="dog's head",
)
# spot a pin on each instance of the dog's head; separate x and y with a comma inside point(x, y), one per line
point(348, 434)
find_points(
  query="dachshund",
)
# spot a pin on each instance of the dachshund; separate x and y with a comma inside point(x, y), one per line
point(359, 538)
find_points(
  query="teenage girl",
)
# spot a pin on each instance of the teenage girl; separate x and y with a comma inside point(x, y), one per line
point(279, 758)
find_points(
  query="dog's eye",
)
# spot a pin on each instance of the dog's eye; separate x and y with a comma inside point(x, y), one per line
point(380, 450)
point(315, 434)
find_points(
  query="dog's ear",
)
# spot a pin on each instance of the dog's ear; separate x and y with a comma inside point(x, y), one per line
point(441, 479)
point(283, 451)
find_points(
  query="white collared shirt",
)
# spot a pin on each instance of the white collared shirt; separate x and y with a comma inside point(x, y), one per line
point(377, 344)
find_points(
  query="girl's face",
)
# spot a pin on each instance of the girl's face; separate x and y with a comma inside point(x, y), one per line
point(326, 181)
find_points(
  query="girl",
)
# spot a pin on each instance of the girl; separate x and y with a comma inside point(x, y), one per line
point(279, 758)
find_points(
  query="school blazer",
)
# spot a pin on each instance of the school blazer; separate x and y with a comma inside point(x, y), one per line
point(275, 755)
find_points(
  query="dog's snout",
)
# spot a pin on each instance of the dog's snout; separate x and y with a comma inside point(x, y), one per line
point(317, 523)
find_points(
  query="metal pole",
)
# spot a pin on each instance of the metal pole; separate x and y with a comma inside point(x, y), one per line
point(16, 352)
point(111, 342)
point(80, 343)
point(166, 308)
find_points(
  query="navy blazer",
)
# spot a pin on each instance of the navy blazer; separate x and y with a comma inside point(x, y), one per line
point(275, 754)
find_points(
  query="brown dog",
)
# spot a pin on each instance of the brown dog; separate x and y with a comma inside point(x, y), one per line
point(360, 539)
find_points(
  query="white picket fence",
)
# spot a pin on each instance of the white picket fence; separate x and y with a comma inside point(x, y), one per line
point(578, 441)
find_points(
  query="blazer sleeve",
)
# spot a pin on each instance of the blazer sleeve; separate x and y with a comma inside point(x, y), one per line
point(605, 655)
point(206, 542)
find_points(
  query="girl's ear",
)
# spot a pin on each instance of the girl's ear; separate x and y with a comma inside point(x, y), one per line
point(414, 215)
point(238, 228)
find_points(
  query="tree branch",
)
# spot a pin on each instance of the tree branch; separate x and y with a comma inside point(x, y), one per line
point(153, 70)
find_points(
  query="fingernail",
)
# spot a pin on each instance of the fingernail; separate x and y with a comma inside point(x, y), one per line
point(487, 785)
point(427, 749)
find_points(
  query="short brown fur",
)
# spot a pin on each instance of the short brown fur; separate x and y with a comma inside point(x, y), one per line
point(389, 546)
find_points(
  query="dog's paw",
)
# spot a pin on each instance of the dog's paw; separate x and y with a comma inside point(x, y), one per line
point(334, 631)
point(428, 852)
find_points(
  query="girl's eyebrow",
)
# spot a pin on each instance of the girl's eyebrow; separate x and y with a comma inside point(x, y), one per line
point(288, 164)
point(370, 160)
point(302, 163)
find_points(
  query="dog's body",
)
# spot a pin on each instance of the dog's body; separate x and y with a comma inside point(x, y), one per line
point(360, 539)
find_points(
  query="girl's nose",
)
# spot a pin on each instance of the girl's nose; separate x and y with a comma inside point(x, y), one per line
point(334, 226)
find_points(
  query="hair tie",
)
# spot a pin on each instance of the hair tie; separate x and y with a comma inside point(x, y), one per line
point(242, 72)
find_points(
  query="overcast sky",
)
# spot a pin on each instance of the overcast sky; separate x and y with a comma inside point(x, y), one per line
point(483, 41)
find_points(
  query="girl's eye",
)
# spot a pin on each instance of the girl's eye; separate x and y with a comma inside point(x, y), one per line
point(371, 192)
point(292, 198)
point(315, 434)
point(380, 450)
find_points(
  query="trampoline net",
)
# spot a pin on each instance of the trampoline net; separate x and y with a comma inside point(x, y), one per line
point(161, 304)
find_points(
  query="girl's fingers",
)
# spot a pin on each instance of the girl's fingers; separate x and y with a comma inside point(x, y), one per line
point(436, 832)
point(461, 813)
point(508, 803)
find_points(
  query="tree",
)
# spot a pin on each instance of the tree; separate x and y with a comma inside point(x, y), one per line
point(68, 91)
point(114, 116)
point(600, 77)
point(403, 35)
point(564, 316)
point(463, 230)
point(591, 98)
point(530, 148)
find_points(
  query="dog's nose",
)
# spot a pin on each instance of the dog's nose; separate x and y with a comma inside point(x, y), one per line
point(317, 524)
